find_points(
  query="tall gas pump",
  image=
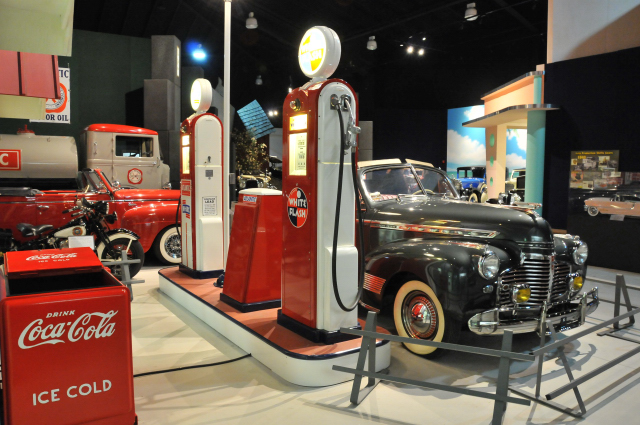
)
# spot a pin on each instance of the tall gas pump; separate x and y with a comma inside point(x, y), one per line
point(320, 273)
point(201, 187)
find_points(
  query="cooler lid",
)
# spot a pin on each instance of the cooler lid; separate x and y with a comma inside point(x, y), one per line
point(49, 262)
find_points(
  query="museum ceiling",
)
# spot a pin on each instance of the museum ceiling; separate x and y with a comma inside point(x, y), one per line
point(507, 39)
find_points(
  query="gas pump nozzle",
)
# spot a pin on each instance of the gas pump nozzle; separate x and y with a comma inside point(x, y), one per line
point(352, 129)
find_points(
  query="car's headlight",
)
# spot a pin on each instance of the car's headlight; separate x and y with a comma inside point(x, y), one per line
point(489, 265)
point(580, 253)
point(242, 184)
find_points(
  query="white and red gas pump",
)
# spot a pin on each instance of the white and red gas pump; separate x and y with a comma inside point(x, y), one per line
point(320, 273)
point(201, 187)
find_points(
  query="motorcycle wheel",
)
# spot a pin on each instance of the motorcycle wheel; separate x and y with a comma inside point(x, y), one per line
point(135, 252)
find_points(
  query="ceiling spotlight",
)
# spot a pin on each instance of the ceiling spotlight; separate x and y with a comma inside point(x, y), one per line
point(410, 49)
point(259, 80)
point(199, 53)
point(252, 23)
point(371, 44)
point(270, 113)
point(290, 89)
point(471, 14)
point(424, 38)
point(421, 52)
point(275, 113)
point(402, 45)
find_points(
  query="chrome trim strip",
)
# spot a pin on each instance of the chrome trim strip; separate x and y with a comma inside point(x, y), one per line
point(368, 307)
point(373, 283)
point(443, 230)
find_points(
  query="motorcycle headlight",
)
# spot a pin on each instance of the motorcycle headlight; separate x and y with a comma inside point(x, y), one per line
point(580, 253)
point(489, 265)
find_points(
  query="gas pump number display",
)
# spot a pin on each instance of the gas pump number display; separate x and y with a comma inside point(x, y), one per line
point(298, 154)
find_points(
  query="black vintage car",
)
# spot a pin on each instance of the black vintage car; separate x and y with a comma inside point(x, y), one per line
point(440, 264)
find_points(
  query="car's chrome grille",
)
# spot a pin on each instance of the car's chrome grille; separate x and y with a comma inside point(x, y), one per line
point(538, 273)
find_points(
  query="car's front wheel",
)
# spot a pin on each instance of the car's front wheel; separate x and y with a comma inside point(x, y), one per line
point(168, 246)
point(418, 313)
point(473, 197)
point(592, 211)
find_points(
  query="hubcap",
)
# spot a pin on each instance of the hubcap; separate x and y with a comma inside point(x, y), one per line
point(172, 246)
point(419, 315)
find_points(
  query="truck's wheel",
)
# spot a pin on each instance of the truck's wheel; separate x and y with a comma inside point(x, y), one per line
point(417, 313)
point(592, 211)
point(167, 246)
point(135, 252)
point(473, 197)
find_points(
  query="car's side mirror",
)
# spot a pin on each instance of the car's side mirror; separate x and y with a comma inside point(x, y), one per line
point(116, 184)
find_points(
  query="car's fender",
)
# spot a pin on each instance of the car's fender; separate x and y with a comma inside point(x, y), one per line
point(449, 267)
point(149, 220)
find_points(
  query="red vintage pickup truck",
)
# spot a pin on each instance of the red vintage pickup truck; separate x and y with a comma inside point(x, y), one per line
point(150, 213)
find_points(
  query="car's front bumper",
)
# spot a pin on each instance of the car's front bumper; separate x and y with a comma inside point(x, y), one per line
point(563, 315)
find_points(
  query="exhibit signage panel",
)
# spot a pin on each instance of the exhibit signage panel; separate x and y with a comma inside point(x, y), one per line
point(595, 169)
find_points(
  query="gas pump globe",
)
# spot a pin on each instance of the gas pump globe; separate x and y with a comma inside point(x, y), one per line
point(320, 260)
point(201, 187)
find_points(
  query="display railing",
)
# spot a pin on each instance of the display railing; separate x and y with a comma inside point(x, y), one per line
point(501, 396)
point(368, 347)
point(125, 262)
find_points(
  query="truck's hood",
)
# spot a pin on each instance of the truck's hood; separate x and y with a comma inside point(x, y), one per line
point(516, 225)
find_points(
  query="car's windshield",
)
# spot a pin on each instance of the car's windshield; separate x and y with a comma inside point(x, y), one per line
point(476, 172)
point(389, 183)
point(88, 181)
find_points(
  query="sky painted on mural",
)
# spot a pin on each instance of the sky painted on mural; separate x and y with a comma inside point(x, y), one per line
point(467, 147)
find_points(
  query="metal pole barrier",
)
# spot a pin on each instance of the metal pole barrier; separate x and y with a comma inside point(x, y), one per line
point(567, 368)
point(368, 345)
point(502, 390)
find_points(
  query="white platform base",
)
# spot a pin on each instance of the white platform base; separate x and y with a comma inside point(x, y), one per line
point(310, 371)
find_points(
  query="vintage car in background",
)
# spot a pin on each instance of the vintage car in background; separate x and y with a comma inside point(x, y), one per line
point(623, 204)
point(515, 182)
point(474, 185)
point(149, 213)
point(438, 264)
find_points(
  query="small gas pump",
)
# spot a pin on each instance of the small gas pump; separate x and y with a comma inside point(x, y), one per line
point(320, 276)
point(201, 188)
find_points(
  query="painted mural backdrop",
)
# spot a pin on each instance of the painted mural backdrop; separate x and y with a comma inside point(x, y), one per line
point(467, 147)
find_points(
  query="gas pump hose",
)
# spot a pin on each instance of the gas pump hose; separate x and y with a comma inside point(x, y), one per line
point(336, 291)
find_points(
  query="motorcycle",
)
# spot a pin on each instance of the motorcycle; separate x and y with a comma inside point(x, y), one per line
point(88, 218)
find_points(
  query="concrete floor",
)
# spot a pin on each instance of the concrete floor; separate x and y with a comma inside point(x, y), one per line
point(166, 336)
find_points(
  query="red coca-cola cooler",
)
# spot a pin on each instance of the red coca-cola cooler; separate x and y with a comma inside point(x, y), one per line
point(65, 326)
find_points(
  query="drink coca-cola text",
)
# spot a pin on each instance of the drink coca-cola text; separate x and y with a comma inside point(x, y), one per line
point(51, 256)
point(36, 334)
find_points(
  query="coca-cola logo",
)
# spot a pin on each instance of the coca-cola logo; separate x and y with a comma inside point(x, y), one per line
point(51, 256)
point(84, 328)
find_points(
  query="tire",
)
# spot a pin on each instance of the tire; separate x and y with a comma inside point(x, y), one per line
point(592, 211)
point(473, 197)
point(417, 295)
point(167, 246)
point(135, 252)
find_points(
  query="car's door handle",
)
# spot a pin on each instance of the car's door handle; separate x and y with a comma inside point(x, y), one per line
point(43, 207)
point(131, 204)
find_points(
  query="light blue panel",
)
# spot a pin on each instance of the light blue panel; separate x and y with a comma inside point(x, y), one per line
point(534, 177)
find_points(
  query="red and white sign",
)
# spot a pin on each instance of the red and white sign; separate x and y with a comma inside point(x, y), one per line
point(10, 160)
point(134, 176)
point(59, 110)
point(185, 187)
point(297, 207)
